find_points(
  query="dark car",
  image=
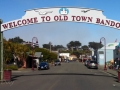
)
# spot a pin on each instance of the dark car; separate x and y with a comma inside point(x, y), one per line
point(43, 66)
point(57, 62)
point(92, 64)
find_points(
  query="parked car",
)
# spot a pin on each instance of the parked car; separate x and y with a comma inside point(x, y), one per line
point(57, 62)
point(92, 64)
point(43, 66)
point(84, 59)
point(66, 60)
point(86, 62)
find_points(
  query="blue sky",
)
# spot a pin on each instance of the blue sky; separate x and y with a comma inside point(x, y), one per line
point(61, 33)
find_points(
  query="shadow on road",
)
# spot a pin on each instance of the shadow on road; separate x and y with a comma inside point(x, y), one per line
point(14, 77)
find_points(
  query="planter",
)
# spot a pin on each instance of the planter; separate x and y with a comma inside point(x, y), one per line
point(7, 75)
point(118, 76)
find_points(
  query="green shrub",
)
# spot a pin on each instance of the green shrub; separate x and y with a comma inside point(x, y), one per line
point(11, 67)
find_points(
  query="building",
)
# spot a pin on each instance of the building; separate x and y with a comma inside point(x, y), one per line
point(72, 57)
point(36, 58)
point(110, 47)
point(64, 56)
point(117, 56)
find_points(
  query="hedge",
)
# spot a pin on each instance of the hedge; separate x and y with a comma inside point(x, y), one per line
point(10, 67)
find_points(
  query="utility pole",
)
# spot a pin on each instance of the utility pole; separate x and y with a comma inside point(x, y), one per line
point(50, 46)
point(58, 54)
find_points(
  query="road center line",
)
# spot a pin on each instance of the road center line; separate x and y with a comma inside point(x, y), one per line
point(50, 88)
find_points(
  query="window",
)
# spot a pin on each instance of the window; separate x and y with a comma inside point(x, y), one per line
point(117, 52)
point(101, 52)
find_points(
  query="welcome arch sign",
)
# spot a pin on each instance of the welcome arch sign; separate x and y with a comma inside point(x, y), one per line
point(62, 14)
point(57, 14)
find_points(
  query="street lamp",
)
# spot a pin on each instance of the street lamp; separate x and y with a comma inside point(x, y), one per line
point(103, 39)
point(34, 38)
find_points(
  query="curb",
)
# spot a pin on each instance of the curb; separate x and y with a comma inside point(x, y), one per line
point(112, 74)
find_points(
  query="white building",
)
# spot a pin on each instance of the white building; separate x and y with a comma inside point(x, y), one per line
point(66, 55)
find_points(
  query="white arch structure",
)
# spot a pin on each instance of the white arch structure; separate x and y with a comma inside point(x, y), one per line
point(63, 14)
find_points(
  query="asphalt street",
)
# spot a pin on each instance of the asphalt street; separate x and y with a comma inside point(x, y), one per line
point(68, 76)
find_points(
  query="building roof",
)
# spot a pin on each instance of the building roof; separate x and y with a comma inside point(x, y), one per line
point(37, 54)
point(110, 45)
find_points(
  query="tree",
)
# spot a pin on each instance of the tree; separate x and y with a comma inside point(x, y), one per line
point(57, 47)
point(95, 45)
point(46, 54)
point(16, 40)
point(77, 44)
point(76, 53)
point(13, 49)
point(85, 47)
point(47, 46)
point(68, 46)
point(73, 44)
point(7, 53)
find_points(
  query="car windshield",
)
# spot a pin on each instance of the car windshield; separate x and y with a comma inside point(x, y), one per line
point(43, 63)
point(57, 61)
point(93, 62)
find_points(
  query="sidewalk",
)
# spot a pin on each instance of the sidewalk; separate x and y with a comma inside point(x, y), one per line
point(29, 69)
point(109, 71)
point(23, 70)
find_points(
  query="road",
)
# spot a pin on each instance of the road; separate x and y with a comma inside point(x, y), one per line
point(68, 76)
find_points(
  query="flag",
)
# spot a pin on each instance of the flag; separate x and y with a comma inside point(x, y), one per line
point(116, 40)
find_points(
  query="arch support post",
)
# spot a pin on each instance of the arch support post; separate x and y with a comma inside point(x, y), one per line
point(1, 52)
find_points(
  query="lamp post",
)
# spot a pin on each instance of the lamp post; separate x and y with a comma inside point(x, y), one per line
point(34, 38)
point(103, 39)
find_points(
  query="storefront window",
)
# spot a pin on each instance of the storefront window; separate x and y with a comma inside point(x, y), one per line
point(101, 52)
